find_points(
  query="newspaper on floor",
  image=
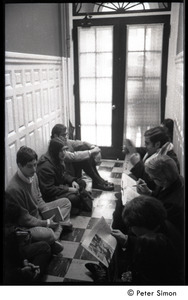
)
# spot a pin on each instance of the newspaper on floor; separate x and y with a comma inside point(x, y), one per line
point(128, 188)
point(100, 243)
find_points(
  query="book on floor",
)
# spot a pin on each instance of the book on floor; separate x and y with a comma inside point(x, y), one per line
point(56, 212)
point(100, 243)
point(128, 188)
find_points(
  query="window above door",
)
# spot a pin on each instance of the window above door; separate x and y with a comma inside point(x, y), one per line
point(101, 8)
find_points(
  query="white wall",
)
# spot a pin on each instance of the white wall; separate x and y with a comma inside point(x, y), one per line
point(34, 103)
point(38, 88)
point(175, 87)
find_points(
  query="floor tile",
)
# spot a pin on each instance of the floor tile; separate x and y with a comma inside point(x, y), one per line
point(87, 231)
point(119, 164)
point(93, 221)
point(50, 278)
point(104, 169)
point(116, 181)
point(78, 271)
point(106, 196)
point(115, 175)
point(98, 212)
point(106, 203)
point(59, 266)
point(105, 175)
point(117, 170)
point(69, 266)
point(80, 221)
point(107, 163)
point(75, 235)
point(70, 248)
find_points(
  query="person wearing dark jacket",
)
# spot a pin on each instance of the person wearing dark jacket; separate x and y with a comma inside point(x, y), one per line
point(169, 188)
point(81, 155)
point(54, 180)
point(157, 143)
point(137, 257)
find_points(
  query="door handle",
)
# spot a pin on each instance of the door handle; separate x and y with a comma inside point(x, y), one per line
point(113, 107)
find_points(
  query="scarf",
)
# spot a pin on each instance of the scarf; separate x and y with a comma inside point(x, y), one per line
point(161, 151)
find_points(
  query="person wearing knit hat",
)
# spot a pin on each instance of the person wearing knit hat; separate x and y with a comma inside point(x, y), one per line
point(82, 156)
point(56, 182)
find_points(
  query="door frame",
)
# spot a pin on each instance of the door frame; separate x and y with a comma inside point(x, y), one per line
point(119, 73)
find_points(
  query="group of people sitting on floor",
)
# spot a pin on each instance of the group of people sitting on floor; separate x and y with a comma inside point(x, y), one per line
point(39, 185)
point(149, 229)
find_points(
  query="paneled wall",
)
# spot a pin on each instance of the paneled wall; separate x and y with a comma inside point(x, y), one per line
point(34, 103)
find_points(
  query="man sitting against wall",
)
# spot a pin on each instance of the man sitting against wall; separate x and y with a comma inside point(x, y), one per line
point(23, 192)
point(156, 143)
point(81, 156)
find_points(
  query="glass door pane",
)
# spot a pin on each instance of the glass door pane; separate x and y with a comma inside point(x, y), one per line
point(143, 80)
point(95, 55)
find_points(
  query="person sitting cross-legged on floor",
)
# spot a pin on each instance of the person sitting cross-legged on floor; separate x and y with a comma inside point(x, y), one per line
point(82, 156)
point(56, 182)
point(25, 262)
point(23, 191)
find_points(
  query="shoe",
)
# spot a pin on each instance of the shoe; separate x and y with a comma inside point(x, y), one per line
point(103, 186)
point(118, 195)
point(108, 183)
point(56, 247)
point(93, 268)
point(99, 273)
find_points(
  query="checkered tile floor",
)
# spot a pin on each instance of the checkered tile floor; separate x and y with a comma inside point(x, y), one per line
point(69, 265)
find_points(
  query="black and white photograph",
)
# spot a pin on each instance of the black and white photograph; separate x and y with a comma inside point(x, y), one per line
point(94, 129)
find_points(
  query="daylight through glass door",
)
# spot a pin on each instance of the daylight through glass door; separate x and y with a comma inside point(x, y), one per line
point(95, 80)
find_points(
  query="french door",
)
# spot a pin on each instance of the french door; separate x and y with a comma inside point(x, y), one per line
point(120, 68)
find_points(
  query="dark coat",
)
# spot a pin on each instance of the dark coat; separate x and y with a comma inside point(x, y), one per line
point(54, 181)
point(167, 268)
point(173, 200)
point(139, 170)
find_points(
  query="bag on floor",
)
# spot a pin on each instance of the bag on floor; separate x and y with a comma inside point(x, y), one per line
point(86, 200)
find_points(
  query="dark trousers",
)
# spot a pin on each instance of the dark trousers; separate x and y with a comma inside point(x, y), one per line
point(117, 222)
point(89, 167)
point(37, 253)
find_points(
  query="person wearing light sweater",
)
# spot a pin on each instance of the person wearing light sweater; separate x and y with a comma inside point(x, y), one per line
point(23, 191)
